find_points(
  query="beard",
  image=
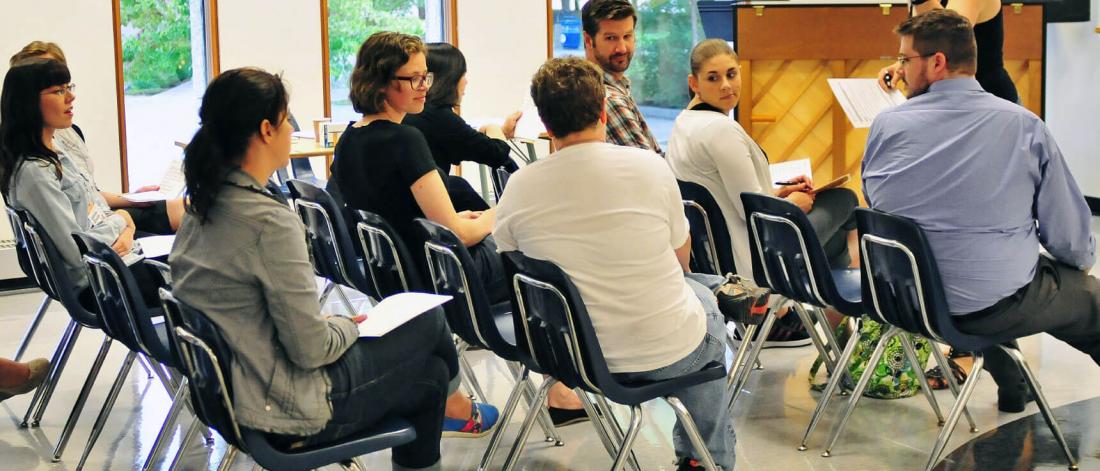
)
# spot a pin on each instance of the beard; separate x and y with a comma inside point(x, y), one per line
point(914, 92)
point(609, 63)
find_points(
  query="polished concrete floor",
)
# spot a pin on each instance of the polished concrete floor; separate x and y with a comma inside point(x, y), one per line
point(770, 417)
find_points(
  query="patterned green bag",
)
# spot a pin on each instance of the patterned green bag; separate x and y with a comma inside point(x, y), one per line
point(894, 377)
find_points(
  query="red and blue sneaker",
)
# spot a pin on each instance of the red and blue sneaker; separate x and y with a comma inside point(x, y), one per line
point(483, 418)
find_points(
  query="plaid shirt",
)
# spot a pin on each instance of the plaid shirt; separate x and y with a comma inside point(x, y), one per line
point(625, 124)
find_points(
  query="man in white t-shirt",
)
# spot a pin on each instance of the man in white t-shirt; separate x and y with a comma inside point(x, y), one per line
point(612, 218)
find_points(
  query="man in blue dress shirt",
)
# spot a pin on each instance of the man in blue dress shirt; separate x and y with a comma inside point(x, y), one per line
point(985, 180)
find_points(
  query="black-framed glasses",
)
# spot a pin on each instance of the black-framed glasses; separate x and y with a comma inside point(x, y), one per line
point(418, 81)
point(62, 90)
point(902, 59)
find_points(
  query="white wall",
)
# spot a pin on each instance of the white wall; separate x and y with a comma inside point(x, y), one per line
point(85, 31)
point(1072, 97)
point(278, 36)
point(504, 44)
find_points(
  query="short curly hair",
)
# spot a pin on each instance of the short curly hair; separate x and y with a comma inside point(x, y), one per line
point(378, 60)
point(38, 49)
point(569, 94)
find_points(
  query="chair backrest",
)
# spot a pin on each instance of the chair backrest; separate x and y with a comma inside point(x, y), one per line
point(711, 246)
point(122, 308)
point(901, 282)
point(787, 255)
point(204, 359)
point(51, 265)
point(32, 267)
point(553, 327)
point(390, 267)
point(450, 267)
point(500, 178)
point(334, 255)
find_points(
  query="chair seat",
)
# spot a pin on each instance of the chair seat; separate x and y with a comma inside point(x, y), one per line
point(641, 391)
point(502, 317)
point(386, 434)
point(847, 284)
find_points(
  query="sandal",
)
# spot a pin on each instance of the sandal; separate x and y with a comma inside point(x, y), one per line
point(938, 381)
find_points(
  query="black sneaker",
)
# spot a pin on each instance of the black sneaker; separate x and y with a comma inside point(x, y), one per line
point(787, 332)
point(741, 300)
point(688, 464)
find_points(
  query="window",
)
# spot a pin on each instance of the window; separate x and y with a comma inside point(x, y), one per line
point(165, 71)
point(350, 22)
point(666, 32)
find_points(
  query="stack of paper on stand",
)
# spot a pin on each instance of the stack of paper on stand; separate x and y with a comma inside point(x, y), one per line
point(863, 99)
point(171, 185)
point(396, 310)
point(789, 170)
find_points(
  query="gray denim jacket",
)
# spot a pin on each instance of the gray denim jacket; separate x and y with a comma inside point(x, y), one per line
point(62, 207)
point(247, 268)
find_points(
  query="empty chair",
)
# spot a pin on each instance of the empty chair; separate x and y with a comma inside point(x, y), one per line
point(205, 360)
point(333, 252)
point(902, 286)
point(558, 336)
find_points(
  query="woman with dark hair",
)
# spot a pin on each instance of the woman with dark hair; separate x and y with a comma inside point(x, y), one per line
point(450, 139)
point(41, 178)
point(240, 257)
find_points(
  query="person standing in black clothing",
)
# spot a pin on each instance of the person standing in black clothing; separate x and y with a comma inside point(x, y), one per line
point(453, 141)
point(989, 32)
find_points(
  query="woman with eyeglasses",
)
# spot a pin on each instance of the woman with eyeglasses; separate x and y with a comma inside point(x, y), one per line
point(240, 258)
point(453, 141)
point(385, 167)
point(42, 178)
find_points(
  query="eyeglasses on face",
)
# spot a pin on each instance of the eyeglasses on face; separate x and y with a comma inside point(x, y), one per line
point(903, 59)
point(61, 90)
point(418, 81)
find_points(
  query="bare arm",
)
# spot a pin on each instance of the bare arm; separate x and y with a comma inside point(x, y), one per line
point(431, 196)
point(683, 254)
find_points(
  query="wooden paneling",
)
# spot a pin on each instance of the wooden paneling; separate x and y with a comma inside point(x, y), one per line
point(1024, 32)
point(835, 32)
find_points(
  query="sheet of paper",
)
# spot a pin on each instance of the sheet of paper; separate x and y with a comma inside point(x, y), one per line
point(530, 125)
point(145, 197)
point(156, 246)
point(863, 99)
point(173, 182)
point(785, 171)
point(396, 310)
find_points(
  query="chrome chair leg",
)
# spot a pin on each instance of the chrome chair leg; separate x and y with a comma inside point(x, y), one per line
point(228, 459)
point(112, 396)
point(528, 424)
point(631, 435)
point(739, 357)
point(164, 436)
point(326, 291)
point(693, 433)
point(823, 321)
point(825, 351)
point(739, 383)
point(598, 422)
point(830, 389)
point(1041, 400)
point(505, 418)
point(611, 422)
point(858, 391)
point(956, 411)
point(57, 365)
point(192, 432)
point(345, 301)
point(46, 300)
point(544, 420)
point(471, 379)
point(144, 362)
point(941, 359)
point(81, 399)
point(925, 386)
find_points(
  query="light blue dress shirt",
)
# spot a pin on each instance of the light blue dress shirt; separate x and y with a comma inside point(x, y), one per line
point(985, 180)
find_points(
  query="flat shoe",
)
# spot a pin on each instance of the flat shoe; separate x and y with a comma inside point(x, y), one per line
point(563, 417)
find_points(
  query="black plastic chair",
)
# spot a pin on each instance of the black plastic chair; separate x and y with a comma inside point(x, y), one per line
point(389, 265)
point(476, 322)
point(788, 258)
point(902, 285)
point(128, 319)
point(23, 254)
point(711, 245)
point(334, 254)
point(205, 359)
point(558, 336)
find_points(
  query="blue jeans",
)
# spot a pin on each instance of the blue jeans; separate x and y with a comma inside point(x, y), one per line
point(706, 402)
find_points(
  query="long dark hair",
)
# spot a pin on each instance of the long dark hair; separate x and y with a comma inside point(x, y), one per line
point(448, 65)
point(233, 107)
point(21, 120)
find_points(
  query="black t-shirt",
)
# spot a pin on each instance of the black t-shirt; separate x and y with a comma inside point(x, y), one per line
point(374, 167)
point(453, 141)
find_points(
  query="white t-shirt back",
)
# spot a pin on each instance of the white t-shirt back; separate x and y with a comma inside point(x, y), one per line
point(611, 217)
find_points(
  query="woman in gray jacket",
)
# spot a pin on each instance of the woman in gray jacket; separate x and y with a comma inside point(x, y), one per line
point(240, 257)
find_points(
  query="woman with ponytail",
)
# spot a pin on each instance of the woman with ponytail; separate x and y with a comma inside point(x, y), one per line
point(240, 257)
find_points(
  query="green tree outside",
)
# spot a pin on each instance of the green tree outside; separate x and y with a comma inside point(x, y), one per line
point(350, 22)
point(157, 54)
point(661, 56)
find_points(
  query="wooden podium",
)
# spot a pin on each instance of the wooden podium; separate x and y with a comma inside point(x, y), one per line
point(788, 49)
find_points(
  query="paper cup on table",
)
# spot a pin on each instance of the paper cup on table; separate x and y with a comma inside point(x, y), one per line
point(317, 123)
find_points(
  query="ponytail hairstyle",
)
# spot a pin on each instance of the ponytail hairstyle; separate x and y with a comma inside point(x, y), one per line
point(21, 121)
point(234, 106)
point(448, 65)
point(705, 51)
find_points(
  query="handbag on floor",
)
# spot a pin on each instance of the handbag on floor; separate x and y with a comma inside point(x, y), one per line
point(894, 377)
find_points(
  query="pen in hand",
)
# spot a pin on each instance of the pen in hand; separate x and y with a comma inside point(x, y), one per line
point(788, 183)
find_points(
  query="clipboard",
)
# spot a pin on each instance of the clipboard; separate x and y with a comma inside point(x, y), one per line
point(841, 180)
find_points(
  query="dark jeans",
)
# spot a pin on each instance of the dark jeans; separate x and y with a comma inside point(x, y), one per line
point(151, 220)
point(1060, 300)
point(403, 374)
point(833, 217)
point(463, 196)
point(490, 268)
